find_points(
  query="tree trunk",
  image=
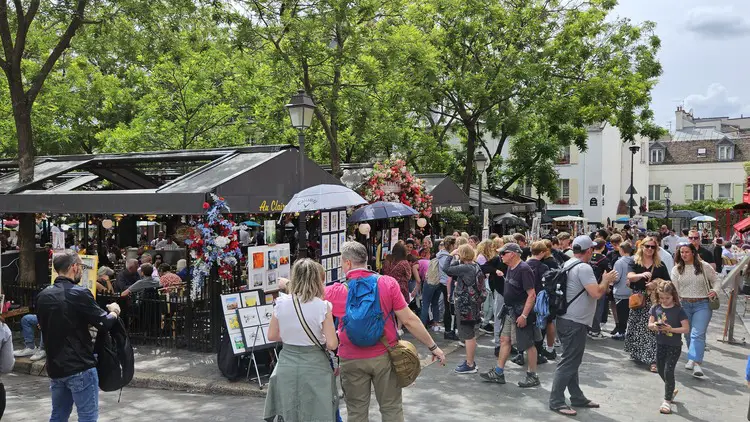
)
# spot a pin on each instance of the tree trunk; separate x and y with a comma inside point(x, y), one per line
point(471, 146)
point(27, 222)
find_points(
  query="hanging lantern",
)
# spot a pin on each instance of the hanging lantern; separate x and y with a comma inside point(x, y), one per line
point(422, 222)
point(118, 217)
point(107, 224)
point(364, 229)
point(151, 217)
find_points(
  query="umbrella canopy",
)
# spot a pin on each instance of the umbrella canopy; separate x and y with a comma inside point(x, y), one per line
point(703, 218)
point(250, 223)
point(656, 214)
point(684, 214)
point(382, 210)
point(510, 220)
point(323, 197)
point(623, 220)
point(570, 218)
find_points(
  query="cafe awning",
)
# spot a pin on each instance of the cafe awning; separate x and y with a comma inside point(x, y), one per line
point(743, 225)
point(499, 205)
point(252, 179)
point(446, 194)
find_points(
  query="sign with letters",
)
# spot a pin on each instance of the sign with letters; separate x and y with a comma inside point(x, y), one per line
point(593, 202)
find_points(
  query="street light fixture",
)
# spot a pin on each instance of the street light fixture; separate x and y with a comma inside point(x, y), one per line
point(480, 162)
point(667, 195)
point(301, 109)
point(631, 190)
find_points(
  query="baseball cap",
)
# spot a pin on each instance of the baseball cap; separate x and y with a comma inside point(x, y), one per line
point(510, 247)
point(583, 243)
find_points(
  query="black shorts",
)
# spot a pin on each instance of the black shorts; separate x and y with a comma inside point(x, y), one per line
point(467, 330)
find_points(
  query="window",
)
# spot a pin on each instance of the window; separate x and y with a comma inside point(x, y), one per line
point(726, 152)
point(657, 155)
point(564, 157)
point(654, 192)
point(524, 187)
point(725, 190)
point(563, 186)
point(701, 152)
point(699, 192)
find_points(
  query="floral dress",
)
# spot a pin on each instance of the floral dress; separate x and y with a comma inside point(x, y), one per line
point(640, 342)
point(401, 271)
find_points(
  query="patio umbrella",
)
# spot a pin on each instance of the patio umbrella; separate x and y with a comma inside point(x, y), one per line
point(323, 197)
point(250, 223)
point(657, 214)
point(569, 218)
point(623, 220)
point(509, 220)
point(382, 210)
point(684, 214)
point(703, 218)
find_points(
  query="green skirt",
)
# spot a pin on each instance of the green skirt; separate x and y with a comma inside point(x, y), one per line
point(302, 387)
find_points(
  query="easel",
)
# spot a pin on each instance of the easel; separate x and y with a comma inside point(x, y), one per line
point(254, 362)
point(734, 278)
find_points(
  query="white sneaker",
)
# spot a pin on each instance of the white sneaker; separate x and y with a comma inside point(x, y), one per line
point(557, 342)
point(689, 365)
point(39, 355)
point(24, 353)
point(436, 328)
point(697, 371)
point(461, 343)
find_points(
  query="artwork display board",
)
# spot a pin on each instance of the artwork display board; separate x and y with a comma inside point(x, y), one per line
point(247, 318)
point(266, 264)
point(332, 236)
point(90, 268)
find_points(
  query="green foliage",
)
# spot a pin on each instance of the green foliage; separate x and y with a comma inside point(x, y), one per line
point(453, 220)
point(656, 206)
point(706, 207)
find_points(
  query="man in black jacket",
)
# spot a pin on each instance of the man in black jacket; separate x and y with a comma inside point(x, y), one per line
point(600, 264)
point(65, 312)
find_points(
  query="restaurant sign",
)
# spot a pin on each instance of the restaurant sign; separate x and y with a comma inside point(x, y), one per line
point(273, 206)
point(443, 208)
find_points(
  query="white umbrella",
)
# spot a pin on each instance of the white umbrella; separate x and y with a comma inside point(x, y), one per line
point(570, 218)
point(323, 197)
point(703, 218)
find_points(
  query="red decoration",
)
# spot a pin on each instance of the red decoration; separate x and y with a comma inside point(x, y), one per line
point(392, 182)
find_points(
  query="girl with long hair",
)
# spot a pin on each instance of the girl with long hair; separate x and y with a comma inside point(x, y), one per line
point(399, 267)
point(640, 342)
point(695, 280)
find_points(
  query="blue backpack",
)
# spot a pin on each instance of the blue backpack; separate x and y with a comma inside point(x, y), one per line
point(363, 320)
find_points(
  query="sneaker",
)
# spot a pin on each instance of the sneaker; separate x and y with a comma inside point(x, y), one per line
point(697, 371)
point(39, 355)
point(493, 376)
point(689, 365)
point(24, 353)
point(436, 328)
point(618, 336)
point(450, 336)
point(557, 342)
point(613, 332)
point(595, 336)
point(464, 368)
point(487, 329)
point(518, 359)
point(549, 355)
point(540, 359)
point(461, 343)
point(530, 381)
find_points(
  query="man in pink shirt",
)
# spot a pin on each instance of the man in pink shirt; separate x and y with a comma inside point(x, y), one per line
point(363, 368)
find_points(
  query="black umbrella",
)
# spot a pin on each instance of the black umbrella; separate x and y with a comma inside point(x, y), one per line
point(510, 220)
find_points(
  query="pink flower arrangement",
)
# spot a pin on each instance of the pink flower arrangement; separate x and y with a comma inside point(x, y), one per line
point(392, 182)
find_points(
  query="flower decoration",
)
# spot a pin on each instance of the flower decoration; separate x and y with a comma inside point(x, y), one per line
point(392, 182)
point(213, 241)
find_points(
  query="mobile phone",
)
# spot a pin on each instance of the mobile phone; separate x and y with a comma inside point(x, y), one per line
point(659, 324)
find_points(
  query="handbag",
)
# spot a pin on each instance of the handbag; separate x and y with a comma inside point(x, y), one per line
point(404, 361)
point(713, 303)
point(636, 301)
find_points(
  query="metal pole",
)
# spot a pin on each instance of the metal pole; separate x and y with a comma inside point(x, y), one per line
point(302, 222)
point(481, 215)
point(631, 211)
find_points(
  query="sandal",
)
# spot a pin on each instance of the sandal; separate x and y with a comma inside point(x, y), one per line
point(665, 408)
point(588, 405)
point(565, 411)
point(653, 368)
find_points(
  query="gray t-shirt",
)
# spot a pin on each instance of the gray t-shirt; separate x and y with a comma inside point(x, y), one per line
point(582, 309)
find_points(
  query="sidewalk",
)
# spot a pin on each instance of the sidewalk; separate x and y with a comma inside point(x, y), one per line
point(194, 372)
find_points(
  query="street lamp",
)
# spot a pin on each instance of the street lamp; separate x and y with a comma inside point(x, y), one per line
point(301, 109)
point(667, 195)
point(480, 162)
point(631, 190)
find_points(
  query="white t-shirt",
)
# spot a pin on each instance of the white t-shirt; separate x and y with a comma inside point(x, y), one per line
point(290, 327)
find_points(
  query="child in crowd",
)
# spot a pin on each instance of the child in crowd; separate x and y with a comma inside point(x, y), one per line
point(669, 321)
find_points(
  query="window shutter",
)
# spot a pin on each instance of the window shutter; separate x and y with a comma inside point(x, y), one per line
point(739, 189)
point(573, 183)
point(574, 155)
point(708, 192)
point(688, 193)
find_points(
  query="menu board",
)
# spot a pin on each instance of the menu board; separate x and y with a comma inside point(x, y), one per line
point(332, 237)
point(89, 272)
point(247, 319)
point(266, 264)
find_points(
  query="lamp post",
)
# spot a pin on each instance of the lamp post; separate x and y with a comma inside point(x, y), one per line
point(631, 190)
point(667, 195)
point(480, 162)
point(301, 109)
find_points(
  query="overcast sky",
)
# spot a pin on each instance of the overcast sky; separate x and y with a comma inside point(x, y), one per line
point(703, 55)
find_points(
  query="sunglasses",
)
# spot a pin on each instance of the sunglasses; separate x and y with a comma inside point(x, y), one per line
point(693, 238)
point(649, 246)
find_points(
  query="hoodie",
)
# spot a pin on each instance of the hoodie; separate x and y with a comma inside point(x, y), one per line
point(621, 289)
point(444, 258)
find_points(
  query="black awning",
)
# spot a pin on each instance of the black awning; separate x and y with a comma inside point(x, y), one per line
point(446, 194)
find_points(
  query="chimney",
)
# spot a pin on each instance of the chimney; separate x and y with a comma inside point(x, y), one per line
point(680, 116)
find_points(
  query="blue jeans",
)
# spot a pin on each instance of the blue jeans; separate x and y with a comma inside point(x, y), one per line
point(29, 324)
point(81, 389)
point(699, 315)
point(430, 299)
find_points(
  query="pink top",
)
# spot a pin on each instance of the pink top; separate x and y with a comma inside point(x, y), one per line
point(391, 299)
point(424, 265)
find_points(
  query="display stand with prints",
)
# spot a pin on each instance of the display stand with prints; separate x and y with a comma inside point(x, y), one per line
point(247, 317)
point(332, 236)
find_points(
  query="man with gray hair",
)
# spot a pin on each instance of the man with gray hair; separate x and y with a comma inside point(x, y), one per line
point(66, 310)
point(363, 368)
point(127, 276)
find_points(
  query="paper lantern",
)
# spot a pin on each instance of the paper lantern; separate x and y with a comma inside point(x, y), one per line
point(364, 229)
point(422, 222)
point(107, 223)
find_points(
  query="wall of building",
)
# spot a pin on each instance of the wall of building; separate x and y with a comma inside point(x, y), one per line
point(678, 176)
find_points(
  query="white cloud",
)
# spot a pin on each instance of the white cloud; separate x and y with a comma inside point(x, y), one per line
point(716, 102)
point(717, 22)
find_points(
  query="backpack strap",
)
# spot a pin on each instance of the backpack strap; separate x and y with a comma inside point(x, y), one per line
point(305, 327)
point(582, 290)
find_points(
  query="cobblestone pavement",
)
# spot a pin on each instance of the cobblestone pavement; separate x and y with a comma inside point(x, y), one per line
point(626, 391)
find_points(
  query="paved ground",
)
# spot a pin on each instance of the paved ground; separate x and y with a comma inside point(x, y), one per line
point(627, 393)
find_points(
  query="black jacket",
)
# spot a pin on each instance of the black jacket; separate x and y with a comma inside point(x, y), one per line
point(496, 282)
point(65, 311)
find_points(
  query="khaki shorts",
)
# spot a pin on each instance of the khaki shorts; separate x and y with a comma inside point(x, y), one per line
point(522, 338)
